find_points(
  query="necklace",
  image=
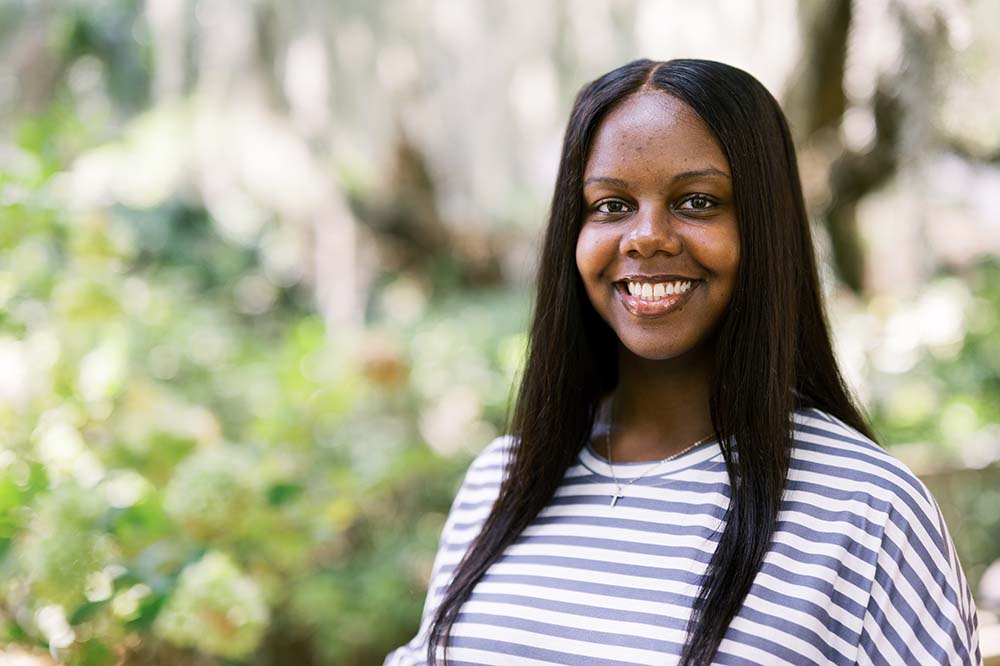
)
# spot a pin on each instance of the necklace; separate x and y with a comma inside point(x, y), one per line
point(619, 489)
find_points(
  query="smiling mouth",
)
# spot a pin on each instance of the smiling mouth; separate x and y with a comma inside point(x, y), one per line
point(643, 302)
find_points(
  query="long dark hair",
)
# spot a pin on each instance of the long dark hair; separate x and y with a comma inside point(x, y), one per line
point(773, 350)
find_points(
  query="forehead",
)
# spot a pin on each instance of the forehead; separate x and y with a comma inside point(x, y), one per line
point(653, 130)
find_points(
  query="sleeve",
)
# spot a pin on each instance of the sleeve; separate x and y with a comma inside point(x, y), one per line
point(920, 610)
point(469, 510)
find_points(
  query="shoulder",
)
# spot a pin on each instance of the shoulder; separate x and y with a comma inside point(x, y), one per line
point(847, 483)
point(472, 504)
point(480, 486)
point(487, 469)
point(833, 455)
point(494, 457)
point(885, 507)
point(918, 607)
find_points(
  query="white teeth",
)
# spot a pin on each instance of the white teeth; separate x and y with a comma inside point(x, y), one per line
point(649, 291)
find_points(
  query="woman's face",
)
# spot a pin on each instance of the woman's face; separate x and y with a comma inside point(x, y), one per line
point(658, 250)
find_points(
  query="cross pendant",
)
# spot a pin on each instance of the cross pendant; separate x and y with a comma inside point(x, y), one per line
point(615, 497)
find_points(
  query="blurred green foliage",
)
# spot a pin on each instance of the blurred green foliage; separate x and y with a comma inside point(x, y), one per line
point(173, 468)
point(952, 390)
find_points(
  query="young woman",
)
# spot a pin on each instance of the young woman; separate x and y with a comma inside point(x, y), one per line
point(687, 480)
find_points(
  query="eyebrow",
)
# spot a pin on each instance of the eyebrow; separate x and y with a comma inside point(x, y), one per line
point(686, 175)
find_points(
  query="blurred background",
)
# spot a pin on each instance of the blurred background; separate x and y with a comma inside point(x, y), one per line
point(266, 269)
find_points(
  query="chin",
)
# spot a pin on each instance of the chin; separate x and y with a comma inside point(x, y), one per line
point(654, 350)
point(665, 347)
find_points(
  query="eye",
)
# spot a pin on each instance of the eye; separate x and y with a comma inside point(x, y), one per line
point(612, 207)
point(698, 202)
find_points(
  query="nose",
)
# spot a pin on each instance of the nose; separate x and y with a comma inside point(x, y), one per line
point(650, 231)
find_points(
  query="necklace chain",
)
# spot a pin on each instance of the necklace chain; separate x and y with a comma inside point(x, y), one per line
point(618, 494)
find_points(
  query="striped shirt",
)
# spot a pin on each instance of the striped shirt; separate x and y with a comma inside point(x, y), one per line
point(861, 569)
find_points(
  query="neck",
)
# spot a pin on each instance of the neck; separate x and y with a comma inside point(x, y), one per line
point(660, 407)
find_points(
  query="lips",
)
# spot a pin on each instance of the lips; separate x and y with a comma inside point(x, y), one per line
point(655, 278)
point(655, 308)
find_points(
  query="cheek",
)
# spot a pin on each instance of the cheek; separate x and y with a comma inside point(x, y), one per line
point(724, 253)
point(588, 254)
point(732, 260)
point(581, 256)
point(734, 254)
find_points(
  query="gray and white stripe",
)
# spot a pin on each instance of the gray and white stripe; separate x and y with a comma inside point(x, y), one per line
point(861, 569)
